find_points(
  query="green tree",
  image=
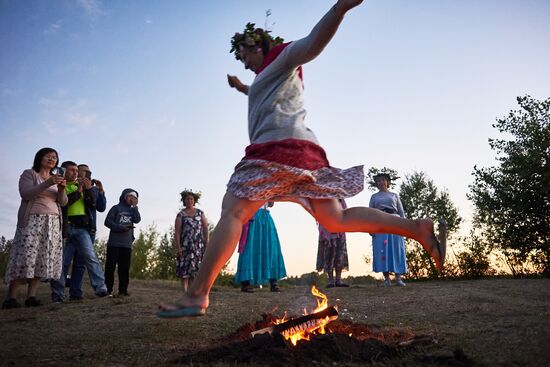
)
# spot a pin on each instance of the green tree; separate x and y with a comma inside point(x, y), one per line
point(473, 262)
point(512, 199)
point(100, 248)
point(165, 257)
point(5, 246)
point(422, 199)
point(143, 250)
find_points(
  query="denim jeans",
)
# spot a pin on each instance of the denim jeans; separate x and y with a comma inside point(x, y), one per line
point(80, 243)
point(77, 274)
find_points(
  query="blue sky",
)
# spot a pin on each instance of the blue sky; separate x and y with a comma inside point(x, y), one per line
point(137, 90)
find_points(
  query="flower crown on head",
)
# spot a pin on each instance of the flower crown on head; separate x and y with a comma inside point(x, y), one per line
point(196, 195)
point(374, 172)
point(251, 36)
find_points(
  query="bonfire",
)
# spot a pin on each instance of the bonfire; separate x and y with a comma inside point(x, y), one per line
point(301, 328)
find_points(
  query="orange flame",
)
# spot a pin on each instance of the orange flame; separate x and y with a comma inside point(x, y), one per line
point(318, 326)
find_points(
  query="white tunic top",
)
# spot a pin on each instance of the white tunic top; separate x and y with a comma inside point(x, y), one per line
point(275, 100)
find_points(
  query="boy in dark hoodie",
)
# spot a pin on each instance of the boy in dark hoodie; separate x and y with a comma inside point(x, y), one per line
point(121, 219)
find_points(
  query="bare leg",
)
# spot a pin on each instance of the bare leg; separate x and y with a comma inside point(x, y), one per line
point(33, 287)
point(338, 273)
point(330, 274)
point(330, 214)
point(184, 284)
point(13, 288)
point(235, 212)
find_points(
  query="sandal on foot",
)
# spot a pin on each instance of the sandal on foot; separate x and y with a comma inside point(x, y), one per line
point(182, 311)
point(32, 302)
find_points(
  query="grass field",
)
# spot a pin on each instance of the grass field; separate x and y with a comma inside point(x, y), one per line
point(494, 322)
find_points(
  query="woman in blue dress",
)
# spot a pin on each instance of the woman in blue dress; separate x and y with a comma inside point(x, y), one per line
point(260, 257)
point(388, 249)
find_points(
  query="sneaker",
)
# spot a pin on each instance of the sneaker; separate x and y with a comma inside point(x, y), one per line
point(400, 283)
point(10, 303)
point(385, 283)
point(57, 300)
point(123, 294)
point(102, 294)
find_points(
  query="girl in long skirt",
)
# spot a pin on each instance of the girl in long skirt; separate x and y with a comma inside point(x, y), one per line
point(260, 256)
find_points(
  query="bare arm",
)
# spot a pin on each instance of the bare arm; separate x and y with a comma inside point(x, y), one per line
point(400, 210)
point(204, 228)
point(308, 48)
point(234, 82)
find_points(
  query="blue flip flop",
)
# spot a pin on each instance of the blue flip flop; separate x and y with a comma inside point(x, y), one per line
point(182, 312)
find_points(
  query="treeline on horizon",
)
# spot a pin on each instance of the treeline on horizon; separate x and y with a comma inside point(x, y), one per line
point(510, 233)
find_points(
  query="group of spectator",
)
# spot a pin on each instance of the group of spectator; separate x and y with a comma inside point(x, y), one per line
point(56, 227)
point(57, 224)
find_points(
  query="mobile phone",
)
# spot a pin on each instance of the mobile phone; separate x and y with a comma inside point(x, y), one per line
point(58, 171)
point(88, 174)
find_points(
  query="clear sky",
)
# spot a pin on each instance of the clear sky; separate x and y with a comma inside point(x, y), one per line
point(137, 89)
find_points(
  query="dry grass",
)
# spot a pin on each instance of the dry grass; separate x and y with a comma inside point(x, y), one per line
point(495, 322)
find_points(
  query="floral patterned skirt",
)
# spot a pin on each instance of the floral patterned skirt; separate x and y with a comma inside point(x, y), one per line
point(292, 170)
point(37, 249)
point(332, 253)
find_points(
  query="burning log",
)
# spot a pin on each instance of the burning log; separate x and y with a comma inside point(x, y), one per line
point(303, 324)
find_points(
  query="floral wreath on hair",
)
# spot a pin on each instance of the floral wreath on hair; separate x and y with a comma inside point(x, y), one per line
point(385, 171)
point(251, 36)
point(196, 195)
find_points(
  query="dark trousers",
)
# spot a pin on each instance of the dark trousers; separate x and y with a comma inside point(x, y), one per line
point(120, 256)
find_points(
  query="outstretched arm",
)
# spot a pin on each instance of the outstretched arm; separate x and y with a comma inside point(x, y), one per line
point(308, 48)
point(234, 82)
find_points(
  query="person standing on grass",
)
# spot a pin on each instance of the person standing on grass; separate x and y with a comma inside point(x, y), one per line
point(285, 161)
point(121, 221)
point(79, 262)
point(37, 250)
point(388, 250)
point(191, 237)
point(260, 256)
point(332, 254)
point(78, 229)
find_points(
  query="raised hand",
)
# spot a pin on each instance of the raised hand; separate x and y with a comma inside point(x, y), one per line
point(55, 180)
point(86, 182)
point(234, 82)
point(99, 185)
point(348, 4)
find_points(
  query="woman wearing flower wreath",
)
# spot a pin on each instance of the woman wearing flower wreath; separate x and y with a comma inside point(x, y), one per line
point(388, 250)
point(285, 161)
point(191, 237)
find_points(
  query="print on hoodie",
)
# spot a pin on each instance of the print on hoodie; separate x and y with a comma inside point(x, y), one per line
point(119, 218)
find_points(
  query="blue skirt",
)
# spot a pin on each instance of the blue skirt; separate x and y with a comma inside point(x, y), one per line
point(388, 254)
point(261, 259)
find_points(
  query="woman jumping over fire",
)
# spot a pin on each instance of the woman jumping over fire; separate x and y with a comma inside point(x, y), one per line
point(285, 162)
